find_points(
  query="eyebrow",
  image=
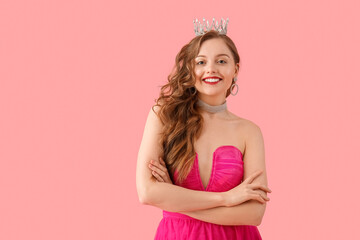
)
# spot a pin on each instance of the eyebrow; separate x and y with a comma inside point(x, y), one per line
point(221, 54)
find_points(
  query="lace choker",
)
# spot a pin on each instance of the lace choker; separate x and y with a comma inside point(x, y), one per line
point(210, 108)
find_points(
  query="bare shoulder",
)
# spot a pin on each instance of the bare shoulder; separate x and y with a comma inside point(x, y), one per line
point(252, 127)
point(247, 127)
point(242, 121)
point(153, 116)
point(155, 109)
point(253, 137)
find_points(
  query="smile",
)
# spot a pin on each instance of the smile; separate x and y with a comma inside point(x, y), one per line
point(212, 81)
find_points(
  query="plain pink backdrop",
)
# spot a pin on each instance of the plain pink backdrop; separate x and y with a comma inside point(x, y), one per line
point(78, 79)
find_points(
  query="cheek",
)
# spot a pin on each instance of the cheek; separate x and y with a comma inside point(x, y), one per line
point(197, 73)
point(229, 72)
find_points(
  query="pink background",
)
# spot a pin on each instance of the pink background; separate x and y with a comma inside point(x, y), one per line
point(78, 79)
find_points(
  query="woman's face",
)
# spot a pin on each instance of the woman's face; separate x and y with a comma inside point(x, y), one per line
point(214, 60)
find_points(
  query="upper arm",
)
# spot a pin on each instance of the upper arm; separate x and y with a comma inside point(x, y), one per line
point(149, 149)
point(254, 159)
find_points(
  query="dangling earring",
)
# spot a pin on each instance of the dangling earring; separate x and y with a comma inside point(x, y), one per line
point(232, 87)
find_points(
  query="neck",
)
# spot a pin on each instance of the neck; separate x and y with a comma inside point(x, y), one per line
point(211, 108)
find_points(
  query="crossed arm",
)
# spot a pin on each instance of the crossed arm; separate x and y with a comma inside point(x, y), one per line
point(247, 213)
point(205, 206)
point(250, 212)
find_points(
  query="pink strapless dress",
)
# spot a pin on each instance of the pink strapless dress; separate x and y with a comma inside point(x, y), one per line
point(226, 173)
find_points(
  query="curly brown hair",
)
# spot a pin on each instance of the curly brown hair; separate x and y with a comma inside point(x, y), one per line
point(182, 122)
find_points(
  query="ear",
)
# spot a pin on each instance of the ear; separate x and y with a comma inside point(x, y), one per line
point(237, 66)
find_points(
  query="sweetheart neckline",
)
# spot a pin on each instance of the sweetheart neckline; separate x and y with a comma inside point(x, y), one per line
point(212, 166)
point(216, 149)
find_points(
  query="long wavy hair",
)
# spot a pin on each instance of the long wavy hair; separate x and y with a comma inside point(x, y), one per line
point(182, 122)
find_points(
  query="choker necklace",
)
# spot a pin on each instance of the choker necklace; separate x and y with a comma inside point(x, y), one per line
point(210, 108)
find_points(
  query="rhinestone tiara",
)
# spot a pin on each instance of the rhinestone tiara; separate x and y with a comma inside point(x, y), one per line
point(201, 29)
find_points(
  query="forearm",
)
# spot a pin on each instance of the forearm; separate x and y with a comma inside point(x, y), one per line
point(173, 198)
point(248, 213)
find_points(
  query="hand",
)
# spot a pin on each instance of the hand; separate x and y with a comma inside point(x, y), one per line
point(246, 191)
point(159, 171)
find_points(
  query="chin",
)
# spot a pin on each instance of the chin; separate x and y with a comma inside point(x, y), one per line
point(210, 93)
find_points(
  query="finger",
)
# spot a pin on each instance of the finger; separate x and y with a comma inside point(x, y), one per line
point(262, 194)
point(159, 178)
point(158, 165)
point(154, 168)
point(159, 171)
point(253, 176)
point(163, 164)
point(263, 201)
point(258, 198)
point(162, 161)
point(162, 171)
point(262, 187)
point(266, 198)
point(263, 198)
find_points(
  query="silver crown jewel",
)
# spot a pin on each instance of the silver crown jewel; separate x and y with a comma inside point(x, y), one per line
point(201, 29)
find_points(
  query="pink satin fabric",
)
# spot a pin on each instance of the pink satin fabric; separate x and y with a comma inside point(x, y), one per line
point(226, 173)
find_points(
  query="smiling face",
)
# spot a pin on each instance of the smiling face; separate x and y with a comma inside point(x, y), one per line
point(214, 60)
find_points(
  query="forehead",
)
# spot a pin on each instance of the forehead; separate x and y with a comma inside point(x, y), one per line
point(213, 47)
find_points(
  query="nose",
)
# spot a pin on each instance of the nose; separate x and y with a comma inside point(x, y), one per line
point(210, 67)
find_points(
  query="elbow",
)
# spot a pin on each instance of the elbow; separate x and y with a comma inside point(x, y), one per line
point(258, 221)
point(143, 195)
point(260, 215)
point(255, 221)
point(142, 199)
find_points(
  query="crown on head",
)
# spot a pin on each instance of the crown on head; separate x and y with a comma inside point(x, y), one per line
point(201, 29)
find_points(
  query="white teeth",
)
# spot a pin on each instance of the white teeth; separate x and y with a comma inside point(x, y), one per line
point(212, 80)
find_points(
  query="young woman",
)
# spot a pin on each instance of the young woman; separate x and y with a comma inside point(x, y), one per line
point(200, 163)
